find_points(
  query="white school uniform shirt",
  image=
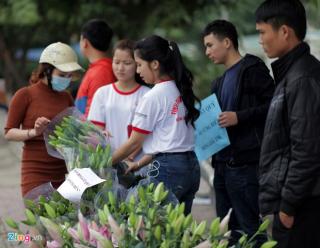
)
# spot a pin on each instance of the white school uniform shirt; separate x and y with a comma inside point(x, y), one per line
point(161, 114)
point(114, 109)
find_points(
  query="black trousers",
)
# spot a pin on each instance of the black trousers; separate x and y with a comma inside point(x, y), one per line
point(305, 232)
point(237, 188)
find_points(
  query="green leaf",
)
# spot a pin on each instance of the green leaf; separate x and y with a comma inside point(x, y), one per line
point(11, 223)
point(177, 224)
point(200, 229)
point(112, 199)
point(132, 219)
point(187, 221)
point(30, 216)
point(42, 199)
point(264, 226)
point(158, 192)
point(50, 211)
point(102, 217)
point(157, 232)
point(269, 244)
point(214, 228)
point(185, 240)
point(243, 239)
point(29, 204)
point(181, 208)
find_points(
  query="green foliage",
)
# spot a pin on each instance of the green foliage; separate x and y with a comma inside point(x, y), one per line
point(31, 23)
point(145, 222)
point(19, 12)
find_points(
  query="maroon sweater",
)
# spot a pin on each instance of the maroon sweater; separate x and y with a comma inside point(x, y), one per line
point(27, 105)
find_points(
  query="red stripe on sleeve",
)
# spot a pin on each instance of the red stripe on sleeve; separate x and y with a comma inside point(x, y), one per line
point(98, 123)
point(140, 130)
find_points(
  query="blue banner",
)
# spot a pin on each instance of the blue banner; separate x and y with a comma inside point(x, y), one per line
point(210, 137)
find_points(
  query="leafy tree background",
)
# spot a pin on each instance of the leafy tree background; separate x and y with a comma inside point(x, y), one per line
point(26, 24)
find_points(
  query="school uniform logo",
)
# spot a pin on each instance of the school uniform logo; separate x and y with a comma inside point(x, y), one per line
point(175, 109)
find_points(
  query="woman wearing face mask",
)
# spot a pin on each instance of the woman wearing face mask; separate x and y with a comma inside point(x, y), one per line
point(113, 105)
point(31, 110)
point(164, 119)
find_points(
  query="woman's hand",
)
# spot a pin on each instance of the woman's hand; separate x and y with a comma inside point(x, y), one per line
point(132, 166)
point(132, 144)
point(130, 158)
point(40, 125)
point(107, 134)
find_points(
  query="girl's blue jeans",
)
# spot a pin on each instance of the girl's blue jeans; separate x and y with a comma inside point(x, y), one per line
point(180, 173)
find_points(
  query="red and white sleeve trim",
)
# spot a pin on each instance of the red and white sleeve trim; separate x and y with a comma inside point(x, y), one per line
point(139, 130)
point(99, 123)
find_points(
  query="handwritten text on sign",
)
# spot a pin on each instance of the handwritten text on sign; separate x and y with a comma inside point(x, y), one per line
point(77, 182)
point(210, 137)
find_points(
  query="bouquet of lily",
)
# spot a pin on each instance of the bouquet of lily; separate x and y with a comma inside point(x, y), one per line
point(83, 145)
point(79, 142)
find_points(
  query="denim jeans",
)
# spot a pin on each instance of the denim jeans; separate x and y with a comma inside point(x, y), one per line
point(236, 187)
point(180, 172)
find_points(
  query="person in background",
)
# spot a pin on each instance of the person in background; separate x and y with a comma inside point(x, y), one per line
point(164, 118)
point(31, 110)
point(96, 36)
point(3, 101)
point(244, 93)
point(290, 153)
point(113, 105)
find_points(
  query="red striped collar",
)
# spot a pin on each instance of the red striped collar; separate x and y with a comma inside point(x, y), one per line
point(165, 80)
point(125, 92)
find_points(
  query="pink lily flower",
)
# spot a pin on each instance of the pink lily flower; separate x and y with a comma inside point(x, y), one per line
point(53, 244)
point(224, 223)
point(74, 234)
point(84, 227)
point(53, 229)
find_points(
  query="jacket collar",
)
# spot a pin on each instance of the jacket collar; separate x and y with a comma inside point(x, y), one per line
point(281, 66)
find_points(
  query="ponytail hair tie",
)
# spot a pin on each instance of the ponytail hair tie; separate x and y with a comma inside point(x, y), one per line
point(170, 46)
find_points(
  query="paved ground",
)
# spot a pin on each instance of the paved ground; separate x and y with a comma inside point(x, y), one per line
point(10, 196)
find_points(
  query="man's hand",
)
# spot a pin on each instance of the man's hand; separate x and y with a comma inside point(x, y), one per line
point(286, 220)
point(228, 119)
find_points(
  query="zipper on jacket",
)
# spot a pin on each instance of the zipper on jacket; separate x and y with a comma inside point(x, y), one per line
point(255, 131)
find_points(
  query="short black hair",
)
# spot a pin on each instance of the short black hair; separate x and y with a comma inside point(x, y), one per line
point(99, 33)
point(283, 12)
point(222, 29)
point(125, 44)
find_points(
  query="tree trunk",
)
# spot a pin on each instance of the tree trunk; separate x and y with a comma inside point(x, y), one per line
point(13, 79)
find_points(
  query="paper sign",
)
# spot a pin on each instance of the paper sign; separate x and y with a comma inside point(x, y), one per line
point(77, 182)
point(210, 137)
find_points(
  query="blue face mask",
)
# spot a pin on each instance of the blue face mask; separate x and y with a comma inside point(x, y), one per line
point(60, 83)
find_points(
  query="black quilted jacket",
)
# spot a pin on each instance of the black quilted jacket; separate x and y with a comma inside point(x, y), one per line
point(290, 154)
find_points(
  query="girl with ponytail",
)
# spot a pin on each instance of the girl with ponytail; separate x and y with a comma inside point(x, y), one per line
point(164, 119)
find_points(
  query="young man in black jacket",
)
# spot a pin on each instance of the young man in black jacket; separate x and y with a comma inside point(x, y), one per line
point(244, 92)
point(290, 154)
